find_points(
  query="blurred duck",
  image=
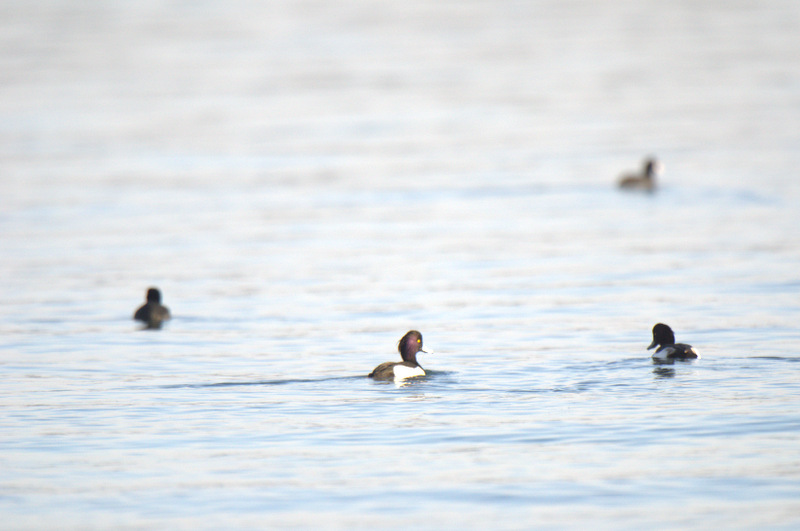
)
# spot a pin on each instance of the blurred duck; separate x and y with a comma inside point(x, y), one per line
point(668, 350)
point(645, 181)
point(152, 313)
point(409, 345)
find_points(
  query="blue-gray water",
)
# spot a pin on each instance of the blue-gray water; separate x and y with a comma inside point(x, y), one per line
point(306, 181)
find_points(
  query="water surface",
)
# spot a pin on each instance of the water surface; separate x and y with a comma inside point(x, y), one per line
point(307, 181)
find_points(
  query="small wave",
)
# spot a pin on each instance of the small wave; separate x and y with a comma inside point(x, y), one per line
point(775, 358)
point(287, 381)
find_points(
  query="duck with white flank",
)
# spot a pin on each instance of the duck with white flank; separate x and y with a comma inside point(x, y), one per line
point(668, 349)
point(409, 345)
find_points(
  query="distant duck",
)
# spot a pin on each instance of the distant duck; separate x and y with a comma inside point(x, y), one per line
point(152, 313)
point(409, 345)
point(668, 349)
point(645, 181)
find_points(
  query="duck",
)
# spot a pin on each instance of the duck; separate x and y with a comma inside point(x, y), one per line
point(152, 313)
point(668, 349)
point(645, 181)
point(409, 345)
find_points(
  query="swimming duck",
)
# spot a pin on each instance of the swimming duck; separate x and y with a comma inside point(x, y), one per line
point(152, 313)
point(669, 350)
point(646, 180)
point(409, 345)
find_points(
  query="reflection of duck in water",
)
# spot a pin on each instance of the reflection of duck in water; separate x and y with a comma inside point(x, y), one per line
point(664, 372)
point(409, 345)
point(152, 313)
point(668, 349)
point(645, 181)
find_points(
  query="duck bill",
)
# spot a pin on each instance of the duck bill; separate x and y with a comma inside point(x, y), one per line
point(653, 344)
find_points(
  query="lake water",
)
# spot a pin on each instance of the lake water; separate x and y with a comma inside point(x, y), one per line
point(306, 181)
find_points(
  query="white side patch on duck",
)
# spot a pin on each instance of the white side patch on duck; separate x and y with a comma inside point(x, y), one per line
point(663, 353)
point(402, 372)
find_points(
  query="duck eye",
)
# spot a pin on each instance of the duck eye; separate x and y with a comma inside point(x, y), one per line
point(419, 341)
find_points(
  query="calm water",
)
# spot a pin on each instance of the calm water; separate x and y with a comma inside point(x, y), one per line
point(306, 181)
